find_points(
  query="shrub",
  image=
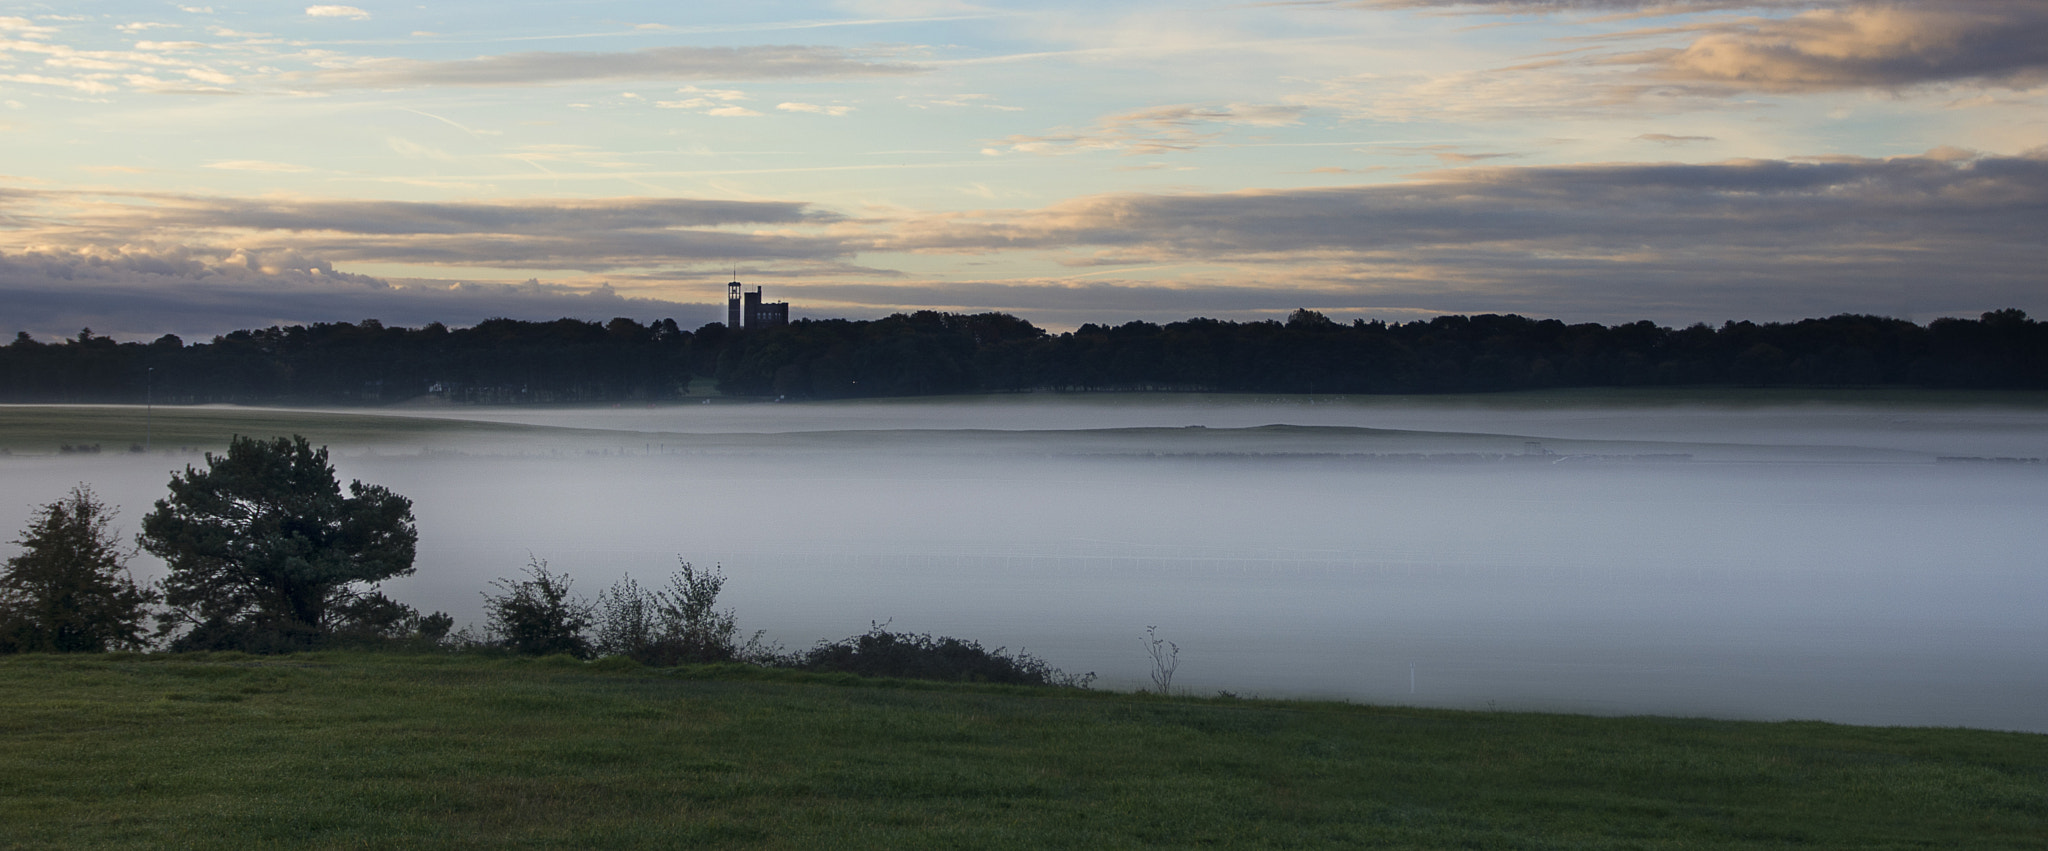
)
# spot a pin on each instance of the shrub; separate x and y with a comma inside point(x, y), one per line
point(881, 653)
point(678, 625)
point(538, 616)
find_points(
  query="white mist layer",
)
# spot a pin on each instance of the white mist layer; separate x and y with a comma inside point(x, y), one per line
point(1804, 563)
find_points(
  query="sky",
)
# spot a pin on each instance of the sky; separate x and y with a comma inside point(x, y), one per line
point(193, 169)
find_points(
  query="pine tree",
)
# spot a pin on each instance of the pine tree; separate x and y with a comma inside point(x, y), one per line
point(69, 590)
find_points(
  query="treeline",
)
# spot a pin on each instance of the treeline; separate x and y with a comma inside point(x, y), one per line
point(504, 361)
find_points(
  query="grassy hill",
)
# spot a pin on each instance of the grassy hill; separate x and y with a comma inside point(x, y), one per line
point(351, 750)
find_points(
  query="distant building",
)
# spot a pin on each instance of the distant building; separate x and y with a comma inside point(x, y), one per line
point(747, 310)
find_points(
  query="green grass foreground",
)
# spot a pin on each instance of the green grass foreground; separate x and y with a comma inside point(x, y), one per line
point(394, 751)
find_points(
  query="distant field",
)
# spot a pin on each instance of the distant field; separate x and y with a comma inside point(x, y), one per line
point(1741, 396)
point(336, 750)
point(116, 428)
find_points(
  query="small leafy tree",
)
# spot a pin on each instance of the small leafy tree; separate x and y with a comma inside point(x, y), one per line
point(626, 622)
point(690, 618)
point(265, 552)
point(69, 590)
point(676, 625)
point(538, 615)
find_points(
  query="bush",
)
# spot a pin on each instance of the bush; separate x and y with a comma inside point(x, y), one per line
point(538, 616)
point(675, 626)
point(881, 653)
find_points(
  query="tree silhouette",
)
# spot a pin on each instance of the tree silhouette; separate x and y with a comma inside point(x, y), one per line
point(69, 590)
point(265, 552)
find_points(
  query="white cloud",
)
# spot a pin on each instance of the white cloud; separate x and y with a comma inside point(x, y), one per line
point(257, 165)
point(24, 28)
point(350, 12)
point(208, 75)
point(1156, 130)
point(89, 84)
point(813, 108)
point(83, 62)
point(711, 101)
point(721, 94)
point(977, 100)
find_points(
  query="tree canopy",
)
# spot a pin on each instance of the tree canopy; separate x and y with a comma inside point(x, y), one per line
point(69, 590)
point(266, 554)
point(504, 361)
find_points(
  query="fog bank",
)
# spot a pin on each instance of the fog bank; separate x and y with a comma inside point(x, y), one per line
point(1748, 562)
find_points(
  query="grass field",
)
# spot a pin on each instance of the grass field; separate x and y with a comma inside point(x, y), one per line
point(391, 751)
point(42, 429)
point(114, 428)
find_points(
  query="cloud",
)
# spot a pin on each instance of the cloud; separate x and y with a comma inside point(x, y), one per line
point(24, 27)
point(586, 236)
point(97, 72)
point(1798, 46)
point(660, 63)
point(259, 165)
point(716, 102)
point(349, 12)
point(973, 100)
point(1525, 7)
point(1445, 154)
point(1668, 139)
point(1949, 232)
point(91, 85)
point(1155, 130)
point(1868, 45)
point(1677, 241)
point(814, 108)
point(140, 293)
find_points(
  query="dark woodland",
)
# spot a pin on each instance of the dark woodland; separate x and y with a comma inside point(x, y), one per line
point(569, 361)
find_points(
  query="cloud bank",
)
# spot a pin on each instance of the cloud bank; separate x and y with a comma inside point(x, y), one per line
point(1945, 233)
point(1870, 45)
point(1819, 45)
point(583, 235)
point(138, 294)
point(765, 62)
point(1155, 130)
